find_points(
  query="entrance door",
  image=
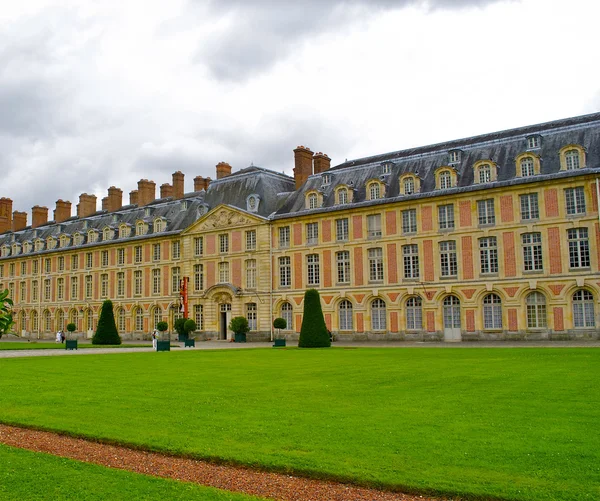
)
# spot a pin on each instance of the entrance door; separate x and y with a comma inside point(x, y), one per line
point(224, 314)
point(451, 319)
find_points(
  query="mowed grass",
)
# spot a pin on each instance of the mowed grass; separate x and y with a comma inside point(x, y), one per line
point(18, 345)
point(31, 476)
point(517, 423)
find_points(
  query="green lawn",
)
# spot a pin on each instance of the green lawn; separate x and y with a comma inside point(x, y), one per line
point(510, 423)
point(35, 345)
point(31, 476)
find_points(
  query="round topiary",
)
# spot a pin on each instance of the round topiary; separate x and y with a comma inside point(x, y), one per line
point(179, 326)
point(162, 326)
point(71, 327)
point(106, 331)
point(189, 326)
point(239, 325)
point(279, 323)
point(313, 333)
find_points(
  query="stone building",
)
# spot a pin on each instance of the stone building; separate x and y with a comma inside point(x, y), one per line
point(489, 237)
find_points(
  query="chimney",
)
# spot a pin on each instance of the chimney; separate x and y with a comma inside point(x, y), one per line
point(5, 214)
point(115, 199)
point(62, 211)
point(19, 220)
point(133, 197)
point(166, 190)
point(178, 190)
point(201, 183)
point(39, 216)
point(105, 204)
point(302, 165)
point(322, 162)
point(146, 192)
point(223, 170)
point(87, 205)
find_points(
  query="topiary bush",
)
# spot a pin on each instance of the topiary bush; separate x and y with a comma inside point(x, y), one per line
point(189, 326)
point(179, 326)
point(106, 331)
point(162, 326)
point(279, 323)
point(239, 325)
point(313, 333)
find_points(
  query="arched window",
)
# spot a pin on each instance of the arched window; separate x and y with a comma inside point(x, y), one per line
point(89, 319)
point(313, 201)
point(374, 191)
point(378, 315)
point(287, 315)
point(451, 312)
point(445, 180)
point(527, 169)
point(342, 194)
point(139, 228)
point(47, 321)
point(60, 320)
point(158, 225)
point(156, 316)
point(92, 236)
point(139, 319)
point(22, 321)
point(536, 310)
point(572, 159)
point(583, 309)
point(345, 315)
point(409, 186)
point(414, 313)
point(121, 319)
point(492, 312)
point(106, 234)
point(485, 173)
point(34, 321)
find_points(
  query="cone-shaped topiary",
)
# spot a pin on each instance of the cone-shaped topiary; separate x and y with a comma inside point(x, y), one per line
point(313, 333)
point(106, 332)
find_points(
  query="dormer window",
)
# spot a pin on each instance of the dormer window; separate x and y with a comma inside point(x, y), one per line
point(326, 179)
point(50, 243)
point(386, 168)
point(533, 142)
point(485, 172)
point(445, 180)
point(124, 231)
point(92, 236)
point(202, 209)
point(5, 251)
point(107, 234)
point(454, 156)
point(184, 205)
point(16, 249)
point(77, 239)
point(140, 228)
point(409, 186)
point(342, 196)
point(147, 212)
point(159, 225)
point(39, 245)
point(64, 240)
point(27, 247)
point(374, 190)
point(252, 203)
point(528, 165)
point(312, 201)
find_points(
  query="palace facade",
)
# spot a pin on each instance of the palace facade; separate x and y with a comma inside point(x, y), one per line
point(489, 237)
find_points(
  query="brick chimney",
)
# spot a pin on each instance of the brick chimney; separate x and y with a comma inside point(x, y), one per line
point(321, 162)
point(62, 211)
point(115, 199)
point(19, 220)
point(146, 192)
point(39, 216)
point(223, 170)
point(87, 205)
point(166, 190)
point(5, 214)
point(201, 183)
point(302, 165)
point(133, 197)
point(178, 189)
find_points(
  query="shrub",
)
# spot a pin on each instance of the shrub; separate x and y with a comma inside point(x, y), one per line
point(6, 321)
point(189, 326)
point(162, 326)
point(179, 326)
point(313, 333)
point(71, 327)
point(106, 332)
point(279, 323)
point(239, 325)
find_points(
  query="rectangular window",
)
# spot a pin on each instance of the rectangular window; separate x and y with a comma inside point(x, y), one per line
point(137, 282)
point(312, 233)
point(88, 260)
point(343, 267)
point(11, 270)
point(22, 291)
point(35, 267)
point(532, 251)
point(60, 289)
point(251, 240)
point(104, 285)
point(104, 259)
point(175, 279)
point(409, 221)
point(120, 257)
point(35, 292)
point(284, 237)
point(376, 264)
point(156, 281)
point(24, 267)
point(374, 226)
point(341, 230)
point(485, 212)
point(251, 316)
point(579, 248)
point(198, 277)
point(488, 255)
point(575, 200)
point(198, 246)
point(410, 254)
point(446, 217)
point(155, 252)
point(89, 286)
point(61, 264)
point(224, 243)
point(120, 284)
point(47, 266)
point(449, 265)
point(74, 262)
point(138, 253)
point(251, 274)
point(529, 206)
point(74, 288)
point(199, 316)
point(224, 273)
point(47, 289)
point(312, 268)
point(285, 271)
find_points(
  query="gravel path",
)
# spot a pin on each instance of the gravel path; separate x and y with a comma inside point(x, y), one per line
point(269, 485)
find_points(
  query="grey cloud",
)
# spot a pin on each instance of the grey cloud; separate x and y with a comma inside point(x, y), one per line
point(264, 32)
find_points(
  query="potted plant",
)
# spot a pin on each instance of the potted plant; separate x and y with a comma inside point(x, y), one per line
point(189, 326)
point(180, 328)
point(240, 327)
point(279, 323)
point(71, 344)
point(162, 344)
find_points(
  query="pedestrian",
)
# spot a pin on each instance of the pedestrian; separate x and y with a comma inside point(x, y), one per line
point(58, 337)
point(62, 336)
point(154, 339)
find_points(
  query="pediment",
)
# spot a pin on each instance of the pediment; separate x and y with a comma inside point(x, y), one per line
point(224, 216)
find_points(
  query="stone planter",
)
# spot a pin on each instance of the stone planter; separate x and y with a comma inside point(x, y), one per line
point(163, 345)
point(190, 343)
point(240, 338)
point(279, 342)
point(71, 344)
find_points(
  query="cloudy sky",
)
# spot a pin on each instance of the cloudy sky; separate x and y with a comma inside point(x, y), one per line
point(101, 93)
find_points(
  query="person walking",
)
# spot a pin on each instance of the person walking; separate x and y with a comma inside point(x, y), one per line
point(154, 339)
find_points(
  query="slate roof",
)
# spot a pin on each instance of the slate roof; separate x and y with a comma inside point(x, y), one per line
point(500, 147)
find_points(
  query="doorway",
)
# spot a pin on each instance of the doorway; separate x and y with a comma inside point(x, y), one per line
point(451, 319)
point(225, 318)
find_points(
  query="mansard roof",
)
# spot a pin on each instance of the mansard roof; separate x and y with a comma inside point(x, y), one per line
point(502, 148)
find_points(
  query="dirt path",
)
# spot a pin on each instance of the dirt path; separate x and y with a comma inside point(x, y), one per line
point(270, 485)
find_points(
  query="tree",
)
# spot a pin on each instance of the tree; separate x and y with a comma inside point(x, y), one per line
point(189, 326)
point(71, 328)
point(179, 326)
point(106, 331)
point(313, 333)
point(239, 325)
point(162, 326)
point(6, 321)
point(279, 323)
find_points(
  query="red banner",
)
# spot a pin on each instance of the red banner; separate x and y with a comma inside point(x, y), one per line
point(183, 296)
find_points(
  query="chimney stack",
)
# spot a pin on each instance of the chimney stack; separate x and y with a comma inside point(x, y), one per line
point(321, 162)
point(19, 220)
point(39, 216)
point(133, 197)
point(5, 214)
point(166, 190)
point(178, 189)
point(146, 192)
point(115, 199)
point(62, 211)
point(87, 205)
point(201, 183)
point(223, 170)
point(302, 165)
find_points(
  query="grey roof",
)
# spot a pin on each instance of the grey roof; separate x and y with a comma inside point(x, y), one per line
point(500, 147)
